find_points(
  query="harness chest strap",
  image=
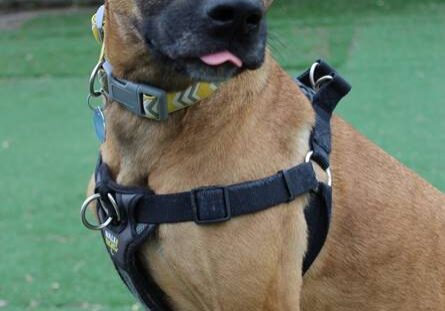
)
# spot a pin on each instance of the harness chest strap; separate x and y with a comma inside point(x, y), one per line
point(131, 215)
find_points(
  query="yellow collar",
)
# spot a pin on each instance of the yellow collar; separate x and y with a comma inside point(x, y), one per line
point(145, 100)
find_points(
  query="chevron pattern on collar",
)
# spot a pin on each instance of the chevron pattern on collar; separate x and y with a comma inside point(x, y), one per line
point(180, 100)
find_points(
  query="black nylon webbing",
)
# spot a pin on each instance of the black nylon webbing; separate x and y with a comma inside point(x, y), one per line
point(213, 203)
point(324, 102)
point(245, 198)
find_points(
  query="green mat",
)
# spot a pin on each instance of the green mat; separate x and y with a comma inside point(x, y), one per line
point(392, 53)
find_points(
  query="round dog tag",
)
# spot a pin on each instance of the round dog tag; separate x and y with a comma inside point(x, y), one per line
point(99, 124)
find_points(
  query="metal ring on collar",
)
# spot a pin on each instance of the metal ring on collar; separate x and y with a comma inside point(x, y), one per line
point(91, 106)
point(93, 76)
point(327, 171)
point(86, 204)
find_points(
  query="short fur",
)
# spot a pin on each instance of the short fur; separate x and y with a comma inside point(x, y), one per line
point(386, 247)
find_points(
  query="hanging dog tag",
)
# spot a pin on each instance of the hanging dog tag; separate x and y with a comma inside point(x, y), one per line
point(99, 124)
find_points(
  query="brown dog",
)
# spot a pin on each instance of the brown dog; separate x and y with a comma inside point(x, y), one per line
point(386, 247)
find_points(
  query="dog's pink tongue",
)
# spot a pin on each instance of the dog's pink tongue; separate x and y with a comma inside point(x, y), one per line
point(220, 58)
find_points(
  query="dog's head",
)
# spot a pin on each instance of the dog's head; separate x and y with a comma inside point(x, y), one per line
point(200, 40)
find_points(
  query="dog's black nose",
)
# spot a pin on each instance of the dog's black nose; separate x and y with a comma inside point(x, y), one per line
point(235, 15)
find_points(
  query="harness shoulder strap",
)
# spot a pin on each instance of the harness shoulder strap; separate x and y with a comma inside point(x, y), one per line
point(324, 102)
point(318, 212)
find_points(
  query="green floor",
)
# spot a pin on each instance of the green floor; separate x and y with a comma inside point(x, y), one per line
point(391, 51)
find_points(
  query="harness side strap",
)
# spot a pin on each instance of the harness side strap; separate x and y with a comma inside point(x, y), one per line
point(217, 204)
point(318, 219)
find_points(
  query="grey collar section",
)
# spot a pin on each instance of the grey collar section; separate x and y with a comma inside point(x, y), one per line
point(131, 95)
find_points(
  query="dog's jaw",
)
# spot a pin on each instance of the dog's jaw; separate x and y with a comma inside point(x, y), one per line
point(181, 35)
point(136, 56)
point(127, 52)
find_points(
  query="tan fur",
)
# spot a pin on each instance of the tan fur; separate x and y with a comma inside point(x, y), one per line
point(385, 251)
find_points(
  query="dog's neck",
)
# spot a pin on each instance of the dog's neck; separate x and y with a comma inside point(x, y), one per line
point(144, 141)
point(136, 146)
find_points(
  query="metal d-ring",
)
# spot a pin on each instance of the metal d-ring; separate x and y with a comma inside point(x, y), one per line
point(312, 74)
point(322, 80)
point(327, 171)
point(84, 208)
point(93, 76)
point(317, 84)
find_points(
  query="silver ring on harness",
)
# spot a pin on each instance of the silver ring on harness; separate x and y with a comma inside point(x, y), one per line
point(93, 76)
point(106, 223)
point(327, 171)
point(317, 84)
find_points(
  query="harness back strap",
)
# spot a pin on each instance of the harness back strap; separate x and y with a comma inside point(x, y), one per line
point(136, 212)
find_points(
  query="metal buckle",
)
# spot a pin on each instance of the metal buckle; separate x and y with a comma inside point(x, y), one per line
point(225, 203)
point(327, 171)
point(107, 222)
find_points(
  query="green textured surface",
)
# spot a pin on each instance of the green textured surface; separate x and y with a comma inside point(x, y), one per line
point(392, 54)
point(35, 4)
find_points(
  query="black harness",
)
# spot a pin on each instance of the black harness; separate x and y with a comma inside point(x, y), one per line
point(133, 214)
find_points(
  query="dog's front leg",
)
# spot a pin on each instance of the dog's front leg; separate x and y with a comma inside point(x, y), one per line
point(286, 293)
point(250, 263)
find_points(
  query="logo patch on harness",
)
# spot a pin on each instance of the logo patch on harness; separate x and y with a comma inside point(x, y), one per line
point(111, 241)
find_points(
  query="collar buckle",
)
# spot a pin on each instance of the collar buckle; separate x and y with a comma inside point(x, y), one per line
point(143, 100)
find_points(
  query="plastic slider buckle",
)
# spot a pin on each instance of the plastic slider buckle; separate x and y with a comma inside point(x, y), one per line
point(211, 205)
point(131, 95)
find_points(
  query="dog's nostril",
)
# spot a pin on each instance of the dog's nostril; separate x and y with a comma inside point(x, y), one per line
point(243, 15)
point(222, 13)
point(254, 19)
